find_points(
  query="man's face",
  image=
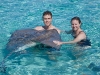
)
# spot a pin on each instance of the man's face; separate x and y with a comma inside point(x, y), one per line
point(47, 20)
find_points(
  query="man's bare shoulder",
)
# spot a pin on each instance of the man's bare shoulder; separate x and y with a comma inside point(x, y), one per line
point(38, 28)
point(57, 29)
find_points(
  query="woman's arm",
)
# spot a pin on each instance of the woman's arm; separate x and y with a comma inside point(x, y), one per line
point(80, 37)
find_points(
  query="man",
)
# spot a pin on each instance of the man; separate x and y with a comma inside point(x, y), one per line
point(47, 19)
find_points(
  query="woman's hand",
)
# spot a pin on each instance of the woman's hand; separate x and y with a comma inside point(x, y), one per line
point(58, 42)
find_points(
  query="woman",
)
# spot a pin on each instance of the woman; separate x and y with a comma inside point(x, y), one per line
point(79, 35)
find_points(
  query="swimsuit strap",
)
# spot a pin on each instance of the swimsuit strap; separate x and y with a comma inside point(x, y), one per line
point(77, 35)
point(80, 32)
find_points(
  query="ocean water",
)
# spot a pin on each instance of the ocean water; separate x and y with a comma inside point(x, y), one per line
point(20, 14)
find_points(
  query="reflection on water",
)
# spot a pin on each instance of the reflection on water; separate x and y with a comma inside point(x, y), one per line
point(21, 14)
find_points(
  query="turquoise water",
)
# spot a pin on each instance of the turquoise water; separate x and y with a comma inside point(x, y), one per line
point(19, 14)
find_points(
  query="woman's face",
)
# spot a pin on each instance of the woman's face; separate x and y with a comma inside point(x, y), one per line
point(75, 25)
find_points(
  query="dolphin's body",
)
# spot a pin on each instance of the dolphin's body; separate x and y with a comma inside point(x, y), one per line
point(22, 39)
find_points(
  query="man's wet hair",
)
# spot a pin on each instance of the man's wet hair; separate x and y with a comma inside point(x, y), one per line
point(47, 13)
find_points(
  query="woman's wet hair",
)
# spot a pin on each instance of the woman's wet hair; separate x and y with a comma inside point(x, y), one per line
point(47, 13)
point(76, 18)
